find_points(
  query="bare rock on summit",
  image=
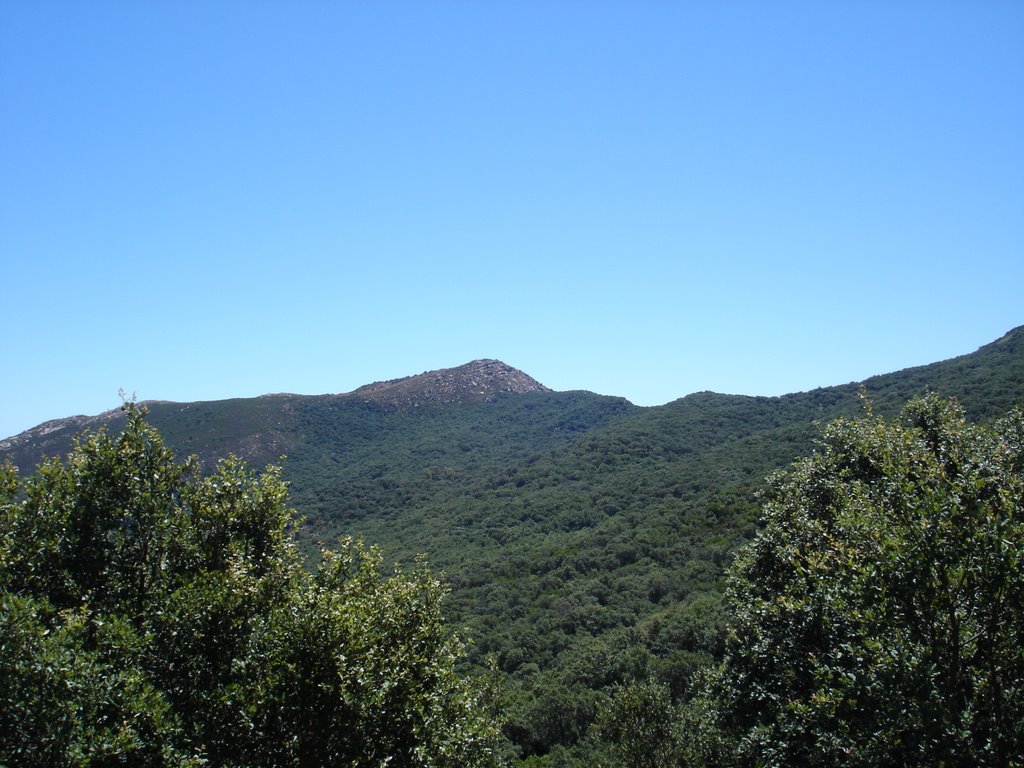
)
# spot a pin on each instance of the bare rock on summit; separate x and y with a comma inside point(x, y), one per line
point(473, 382)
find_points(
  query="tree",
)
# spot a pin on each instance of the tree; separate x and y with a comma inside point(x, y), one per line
point(638, 726)
point(153, 617)
point(878, 616)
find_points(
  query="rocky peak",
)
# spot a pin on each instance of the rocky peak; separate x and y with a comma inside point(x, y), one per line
point(57, 431)
point(473, 382)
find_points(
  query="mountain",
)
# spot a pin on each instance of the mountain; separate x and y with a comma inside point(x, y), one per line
point(584, 538)
point(262, 429)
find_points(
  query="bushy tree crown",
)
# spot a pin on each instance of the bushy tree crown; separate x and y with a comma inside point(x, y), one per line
point(153, 617)
point(878, 617)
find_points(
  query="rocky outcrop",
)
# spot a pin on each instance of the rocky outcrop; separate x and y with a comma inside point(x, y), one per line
point(477, 381)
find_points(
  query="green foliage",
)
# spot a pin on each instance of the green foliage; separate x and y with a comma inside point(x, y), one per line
point(878, 617)
point(639, 726)
point(151, 617)
point(585, 539)
point(67, 699)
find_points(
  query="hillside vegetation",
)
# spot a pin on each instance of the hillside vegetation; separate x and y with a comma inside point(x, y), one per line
point(585, 539)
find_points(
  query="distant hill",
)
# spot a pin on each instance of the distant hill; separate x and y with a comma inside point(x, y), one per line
point(262, 429)
point(584, 537)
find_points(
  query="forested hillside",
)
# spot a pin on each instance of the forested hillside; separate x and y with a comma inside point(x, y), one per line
point(585, 539)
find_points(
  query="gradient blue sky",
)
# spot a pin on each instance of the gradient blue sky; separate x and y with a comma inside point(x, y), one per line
point(201, 200)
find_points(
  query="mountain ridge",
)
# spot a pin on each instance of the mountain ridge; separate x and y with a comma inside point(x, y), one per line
point(261, 428)
point(415, 390)
point(478, 380)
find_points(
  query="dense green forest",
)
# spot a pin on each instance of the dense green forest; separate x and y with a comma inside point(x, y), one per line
point(586, 541)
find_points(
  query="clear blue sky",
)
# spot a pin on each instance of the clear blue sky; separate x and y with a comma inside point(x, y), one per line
point(201, 200)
